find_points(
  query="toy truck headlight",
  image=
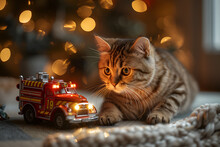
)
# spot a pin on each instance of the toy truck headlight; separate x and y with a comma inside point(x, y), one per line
point(76, 107)
point(91, 108)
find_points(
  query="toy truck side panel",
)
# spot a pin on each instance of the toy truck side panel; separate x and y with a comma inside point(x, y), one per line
point(39, 96)
point(31, 95)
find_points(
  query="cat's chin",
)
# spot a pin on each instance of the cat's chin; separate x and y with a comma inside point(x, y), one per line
point(116, 90)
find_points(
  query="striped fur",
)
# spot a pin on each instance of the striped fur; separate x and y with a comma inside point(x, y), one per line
point(156, 89)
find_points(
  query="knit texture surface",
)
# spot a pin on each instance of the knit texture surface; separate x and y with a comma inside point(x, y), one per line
point(201, 128)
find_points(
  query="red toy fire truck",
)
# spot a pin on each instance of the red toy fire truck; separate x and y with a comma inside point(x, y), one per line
point(53, 100)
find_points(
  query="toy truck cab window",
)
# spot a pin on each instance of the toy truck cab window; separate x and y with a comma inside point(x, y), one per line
point(71, 90)
point(60, 91)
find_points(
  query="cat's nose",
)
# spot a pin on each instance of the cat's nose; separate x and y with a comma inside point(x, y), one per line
point(114, 84)
point(114, 80)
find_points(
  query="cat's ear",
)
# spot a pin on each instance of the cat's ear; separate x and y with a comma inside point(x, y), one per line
point(102, 45)
point(142, 45)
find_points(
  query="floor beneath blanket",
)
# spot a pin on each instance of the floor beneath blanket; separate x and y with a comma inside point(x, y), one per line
point(15, 132)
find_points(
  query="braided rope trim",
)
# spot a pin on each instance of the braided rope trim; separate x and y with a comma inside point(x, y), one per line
point(199, 129)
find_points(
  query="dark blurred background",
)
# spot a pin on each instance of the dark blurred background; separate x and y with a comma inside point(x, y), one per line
point(56, 36)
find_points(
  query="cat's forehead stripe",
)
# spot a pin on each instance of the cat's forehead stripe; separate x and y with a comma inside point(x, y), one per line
point(118, 53)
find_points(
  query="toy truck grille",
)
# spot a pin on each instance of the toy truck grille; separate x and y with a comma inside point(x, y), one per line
point(83, 110)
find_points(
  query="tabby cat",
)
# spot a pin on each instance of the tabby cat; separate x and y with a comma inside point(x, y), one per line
point(143, 82)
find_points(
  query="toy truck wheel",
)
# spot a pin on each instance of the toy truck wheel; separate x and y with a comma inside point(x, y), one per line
point(29, 115)
point(60, 121)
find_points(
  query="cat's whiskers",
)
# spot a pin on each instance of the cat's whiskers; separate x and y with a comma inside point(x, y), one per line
point(127, 98)
point(142, 98)
point(94, 88)
point(94, 50)
point(136, 99)
point(103, 91)
point(106, 92)
point(128, 95)
point(135, 96)
point(130, 98)
point(143, 92)
point(94, 57)
point(100, 91)
point(146, 96)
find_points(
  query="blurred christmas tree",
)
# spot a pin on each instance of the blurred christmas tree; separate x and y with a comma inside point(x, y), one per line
point(55, 35)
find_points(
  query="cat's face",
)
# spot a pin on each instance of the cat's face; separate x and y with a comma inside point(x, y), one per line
point(125, 64)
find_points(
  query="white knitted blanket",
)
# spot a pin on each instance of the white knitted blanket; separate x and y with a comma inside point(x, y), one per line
point(201, 128)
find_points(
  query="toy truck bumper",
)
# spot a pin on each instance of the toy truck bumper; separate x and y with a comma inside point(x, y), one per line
point(73, 119)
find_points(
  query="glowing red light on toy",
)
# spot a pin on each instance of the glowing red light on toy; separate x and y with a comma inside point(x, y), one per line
point(73, 85)
point(56, 86)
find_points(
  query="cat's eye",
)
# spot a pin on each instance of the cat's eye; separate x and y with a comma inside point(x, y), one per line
point(107, 71)
point(126, 71)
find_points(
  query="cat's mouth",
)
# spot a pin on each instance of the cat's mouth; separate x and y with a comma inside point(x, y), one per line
point(119, 88)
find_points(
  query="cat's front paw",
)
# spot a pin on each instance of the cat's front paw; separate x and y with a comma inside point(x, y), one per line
point(109, 118)
point(155, 118)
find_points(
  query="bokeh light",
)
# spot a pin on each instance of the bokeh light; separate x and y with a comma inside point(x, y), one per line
point(88, 24)
point(106, 4)
point(5, 54)
point(69, 47)
point(59, 67)
point(29, 26)
point(41, 34)
point(29, 2)
point(2, 28)
point(139, 6)
point(84, 11)
point(2, 4)
point(25, 16)
point(165, 39)
point(70, 26)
